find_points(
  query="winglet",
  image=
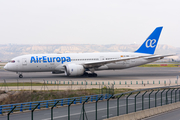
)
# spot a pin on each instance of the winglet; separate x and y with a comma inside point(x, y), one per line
point(150, 44)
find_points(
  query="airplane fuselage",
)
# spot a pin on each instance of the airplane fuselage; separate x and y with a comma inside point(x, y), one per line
point(56, 62)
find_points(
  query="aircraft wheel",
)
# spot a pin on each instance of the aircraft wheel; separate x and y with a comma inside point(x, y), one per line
point(90, 75)
point(94, 75)
point(20, 76)
point(85, 74)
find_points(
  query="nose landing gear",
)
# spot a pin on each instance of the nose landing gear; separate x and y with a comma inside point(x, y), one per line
point(20, 76)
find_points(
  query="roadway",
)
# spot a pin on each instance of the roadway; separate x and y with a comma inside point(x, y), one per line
point(61, 113)
point(170, 115)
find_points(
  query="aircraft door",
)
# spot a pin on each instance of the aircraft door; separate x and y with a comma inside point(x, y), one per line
point(127, 62)
point(102, 58)
point(24, 61)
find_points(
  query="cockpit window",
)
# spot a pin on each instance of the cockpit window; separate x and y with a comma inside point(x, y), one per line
point(12, 61)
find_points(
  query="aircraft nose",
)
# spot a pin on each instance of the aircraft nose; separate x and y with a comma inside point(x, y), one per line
point(6, 67)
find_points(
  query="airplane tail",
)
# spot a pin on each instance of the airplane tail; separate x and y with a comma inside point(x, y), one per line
point(150, 44)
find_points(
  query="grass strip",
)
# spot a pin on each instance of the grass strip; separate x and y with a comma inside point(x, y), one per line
point(29, 84)
point(160, 65)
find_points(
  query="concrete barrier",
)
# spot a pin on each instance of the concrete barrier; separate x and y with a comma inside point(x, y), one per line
point(154, 111)
point(171, 106)
point(160, 110)
point(168, 107)
point(143, 115)
point(130, 117)
point(137, 116)
point(147, 112)
point(163, 108)
point(151, 112)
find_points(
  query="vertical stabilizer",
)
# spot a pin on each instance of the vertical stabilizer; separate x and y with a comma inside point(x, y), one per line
point(150, 44)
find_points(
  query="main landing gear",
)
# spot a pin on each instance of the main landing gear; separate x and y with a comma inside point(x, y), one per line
point(92, 75)
point(89, 74)
point(20, 76)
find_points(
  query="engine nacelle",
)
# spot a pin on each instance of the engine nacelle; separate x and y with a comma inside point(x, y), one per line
point(74, 70)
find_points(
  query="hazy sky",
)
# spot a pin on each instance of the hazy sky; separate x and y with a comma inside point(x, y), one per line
point(88, 21)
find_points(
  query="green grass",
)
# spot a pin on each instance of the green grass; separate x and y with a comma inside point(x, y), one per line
point(42, 84)
point(159, 65)
point(29, 84)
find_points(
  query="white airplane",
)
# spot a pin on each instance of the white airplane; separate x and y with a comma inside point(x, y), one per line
point(85, 64)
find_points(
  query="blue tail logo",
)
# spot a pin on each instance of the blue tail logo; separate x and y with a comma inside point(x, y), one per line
point(150, 44)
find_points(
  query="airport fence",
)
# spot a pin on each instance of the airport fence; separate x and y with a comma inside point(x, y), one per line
point(144, 99)
point(69, 85)
point(123, 82)
point(105, 92)
point(48, 103)
point(156, 97)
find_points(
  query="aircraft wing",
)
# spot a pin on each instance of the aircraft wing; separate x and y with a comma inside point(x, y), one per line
point(159, 56)
point(100, 63)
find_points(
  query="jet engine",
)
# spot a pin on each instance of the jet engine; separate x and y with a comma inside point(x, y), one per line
point(74, 70)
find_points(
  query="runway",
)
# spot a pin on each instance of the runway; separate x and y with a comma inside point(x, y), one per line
point(137, 73)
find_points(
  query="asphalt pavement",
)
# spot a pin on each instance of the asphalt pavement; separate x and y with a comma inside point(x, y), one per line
point(170, 115)
point(136, 73)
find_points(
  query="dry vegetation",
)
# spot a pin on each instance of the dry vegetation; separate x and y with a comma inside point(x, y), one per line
point(28, 96)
